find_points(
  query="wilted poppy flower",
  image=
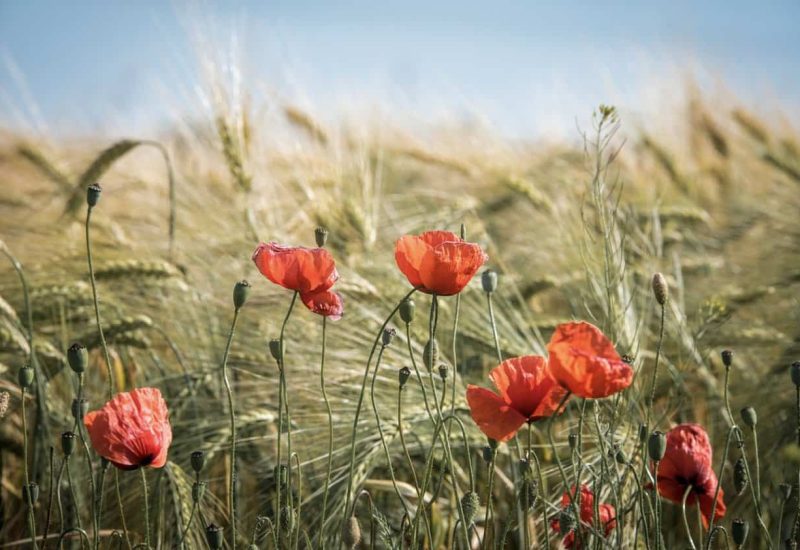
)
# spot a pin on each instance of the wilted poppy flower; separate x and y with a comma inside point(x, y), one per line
point(325, 302)
point(687, 463)
point(304, 270)
point(527, 392)
point(607, 515)
point(132, 430)
point(438, 262)
point(585, 362)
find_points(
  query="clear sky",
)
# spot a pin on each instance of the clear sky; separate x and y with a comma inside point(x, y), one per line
point(84, 66)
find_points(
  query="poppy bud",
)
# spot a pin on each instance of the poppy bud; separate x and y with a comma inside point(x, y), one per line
point(488, 454)
point(749, 417)
point(30, 492)
point(198, 490)
point(470, 503)
point(620, 457)
point(25, 377)
point(214, 536)
point(643, 433)
point(786, 490)
point(403, 375)
point(527, 489)
point(387, 336)
point(489, 281)
point(275, 349)
point(727, 357)
point(566, 522)
point(321, 236)
point(443, 371)
point(657, 446)
point(93, 194)
point(660, 288)
point(67, 443)
point(430, 355)
point(739, 530)
point(351, 533)
point(795, 370)
point(573, 440)
point(79, 409)
point(280, 474)
point(198, 460)
point(240, 292)
point(288, 518)
point(77, 357)
point(740, 476)
point(407, 308)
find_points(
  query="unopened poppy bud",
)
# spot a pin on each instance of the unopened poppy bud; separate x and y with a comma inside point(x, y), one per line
point(93, 194)
point(403, 376)
point(198, 460)
point(657, 446)
point(25, 377)
point(241, 291)
point(67, 443)
point(430, 355)
point(739, 530)
point(740, 476)
point(795, 370)
point(566, 522)
point(351, 533)
point(288, 518)
point(573, 440)
point(387, 336)
point(488, 454)
point(443, 371)
point(749, 417)
point(407, 309)
point(77, 357)
point(727, 357)
point(786, 490)
point(489, 281)
point(470, 503)
point(660, 288)
point(214, 536)
point(198, 490)
point(79, 409)
point(275, 349)
point(528, 490)
point(30, 492)
point(620, 457)
point(643, 433)
point(321, 236)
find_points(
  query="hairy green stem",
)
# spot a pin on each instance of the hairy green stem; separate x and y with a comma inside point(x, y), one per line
point(232, 416)
point(330, 433)
point(29, 496)
point(146, 507)
point(282, 396)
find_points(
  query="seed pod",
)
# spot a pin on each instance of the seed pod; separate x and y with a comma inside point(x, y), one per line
point(77, 357)
point(739, 530)
point(403, 376)
point(566, 522)
point(573, 441)
point(30, 492)
point(430, 355)
point(321, 236)
point(68, 443)
point(727, 358)
point(470, 503)
point(657, 446)
point(443, 371)
point(795, 370)
point(489, 281)
point(621, 457)
point(93, 194)
point(275, 349)
point(79, 409)
point(660, 288)
point(214, 536)
point(749, 417)
point(25, 377)
point(351, 533)
point(407, 308)
point(241, 291)
point(528, 488)
point(198, 460)
point(387, 336)
point(786, 490)
point(288, 518)
point(740, 476)
point(198, 490)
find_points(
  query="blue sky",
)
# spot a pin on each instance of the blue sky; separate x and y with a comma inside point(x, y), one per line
point(526, 67)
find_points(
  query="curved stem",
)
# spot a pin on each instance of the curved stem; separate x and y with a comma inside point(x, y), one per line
point(49, 499)
point(487, 528)
point(188, 525)
point(73, 530)
point(492, 321)
point(87, 453)
point(96, 304)
point(296, 458)
point(232, 413)
point(420, 494)
point(281, 407)
point(544, 498)
point(685, 520)
point(330, 433)
point(146, 507)
point(121, 510)
point(29, 496)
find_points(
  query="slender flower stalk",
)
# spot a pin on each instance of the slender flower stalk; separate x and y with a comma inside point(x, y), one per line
point(487, 527)
point(49, 499)
point(283, 409)
point(232, 416)
point(685, 520)
point(28, 495)
point(146, 508)
point(330, 432)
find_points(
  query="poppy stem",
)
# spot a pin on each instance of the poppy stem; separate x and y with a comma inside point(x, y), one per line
point(525, 484)
point(28, 491)
point(640, 493)
point(79, 428)
point(685, 520)
point(652, 395)
point(542, 491)
point(283, 406)
point(49, 499)
point(330, 433)
point(232, 415)
point(146, 507)
point(493, 323)
point(59, 503)
point(487, 527)
point(657, 526)
point(121, 510)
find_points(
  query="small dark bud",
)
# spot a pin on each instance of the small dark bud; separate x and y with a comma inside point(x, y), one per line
point(68, 443)
point(77, 357)
point(198, 460)
point(740, 476)
point(786, 490)
point(566, 522)
point(488, 454)
point(214, 536)
point(30, 493)
point(198, 490)
point(573, 441)
point(657, 446)
point(620, 457)
point(387, 336)
point(443, 371)
point(795, 370)
point(321, 236)
point(25, 377)
point(470, 504)
point(739, 530)
point(430, 355)
point(407, 308)
point(727, 358)
point(351, 533)
point(241, 291)
point(403, 376)
point(749, 417)
point(79, 409)
point(660, 288)
point(493, 443)
point(528, 489)
point(275, 349)
point(489, 281)
point(93, 194)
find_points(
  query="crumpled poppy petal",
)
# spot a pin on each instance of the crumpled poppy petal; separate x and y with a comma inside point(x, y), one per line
point(492, 415)
point(438, 262)
point(325, 302)
point(526, 384)
point(304, 270)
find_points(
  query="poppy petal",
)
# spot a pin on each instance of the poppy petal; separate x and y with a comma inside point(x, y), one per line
point(305, 270)
point(493, 416)
point(450, 266)
point(408, 253)
point(325, 302)
point(526, 384)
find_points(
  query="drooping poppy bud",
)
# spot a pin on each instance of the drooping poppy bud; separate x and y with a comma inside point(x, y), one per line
point(430, 355)
point(68, 443)
point(403, 376)
point(657, 446)
point(198, 490)
point(198, 460)
point(214, 536)
point(25, 377)
point(740, 478)
point(470, 503)
point(660, 288)
point(739, 530)
point(489, 281)
point(241, 291)
point(351, 533)
point(621, 457)
point(275, 349)
point(387, 336)
point(77, 357)
point(79, 409)
point(407, 309)
point(727, 358)
point(30, 492)
point(93, 194)
point(749, 417)
point(321, 236)
point(443, 371)
point(795, 370)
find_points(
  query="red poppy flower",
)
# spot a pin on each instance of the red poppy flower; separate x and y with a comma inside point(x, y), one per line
point(527, 393)
point(607, 515)
point(132, 430)
point(687, 463)
point(325, 302)
point(305, 270)
point(585, 362)
point(438, 262)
